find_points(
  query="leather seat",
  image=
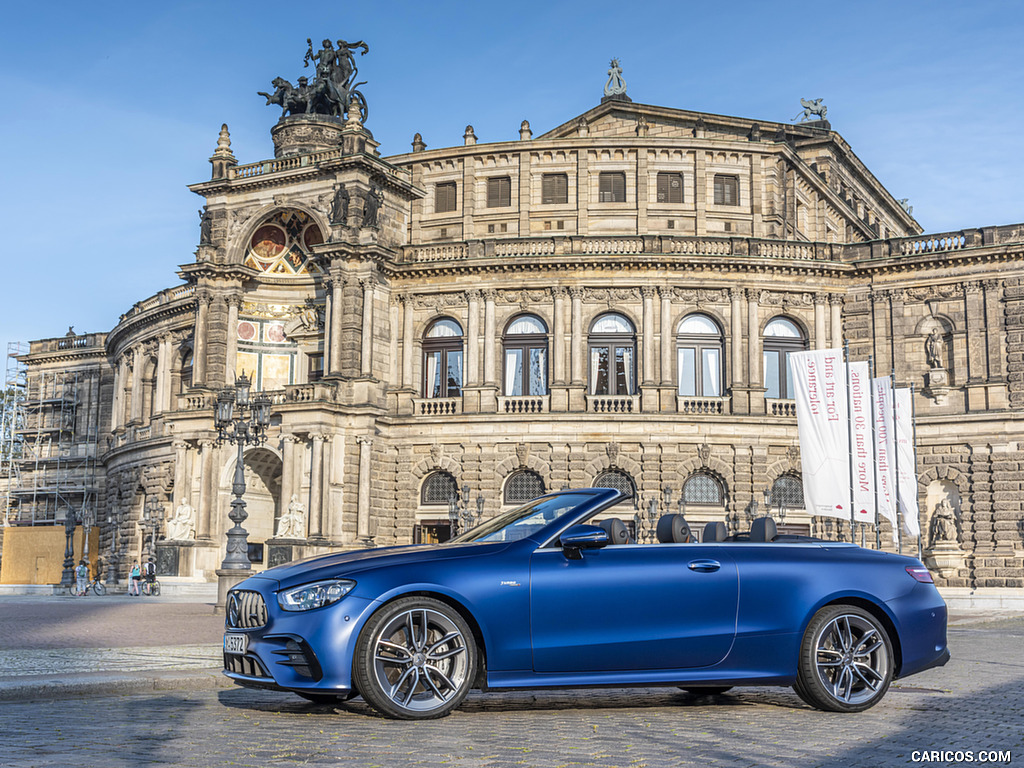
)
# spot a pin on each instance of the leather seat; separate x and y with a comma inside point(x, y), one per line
point(673, 529)
point(714, 532)
point(763, 530)
point(617, 530)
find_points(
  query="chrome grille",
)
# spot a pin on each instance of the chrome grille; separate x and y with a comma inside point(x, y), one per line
point(245, 610)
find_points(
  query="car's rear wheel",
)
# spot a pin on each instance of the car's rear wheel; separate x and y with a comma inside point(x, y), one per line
point(705, 690)
point(846, 660)
point(415, 659)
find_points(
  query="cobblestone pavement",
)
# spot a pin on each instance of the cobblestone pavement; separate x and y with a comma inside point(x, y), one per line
point(973, 703)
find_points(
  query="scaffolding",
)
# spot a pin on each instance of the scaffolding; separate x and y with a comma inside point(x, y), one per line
point(50, 442)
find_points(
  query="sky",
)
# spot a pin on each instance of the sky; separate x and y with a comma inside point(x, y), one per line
point(112, 108)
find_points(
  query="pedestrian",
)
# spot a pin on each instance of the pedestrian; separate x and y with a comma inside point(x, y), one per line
point(133, 579)
point(82, 577)
point(149, 573)
point(99, 567)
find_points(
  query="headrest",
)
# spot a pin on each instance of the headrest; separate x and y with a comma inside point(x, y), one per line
point(714, 532)
point(763, 530)
point(616, 530)
point(673, 529)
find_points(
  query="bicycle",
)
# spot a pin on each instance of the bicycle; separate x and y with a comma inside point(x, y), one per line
point(97, 587)
point(151, 587)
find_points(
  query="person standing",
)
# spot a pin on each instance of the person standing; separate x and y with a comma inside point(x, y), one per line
point(133, 579)
point(81, 578)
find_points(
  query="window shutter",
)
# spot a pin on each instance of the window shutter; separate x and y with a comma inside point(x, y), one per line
point(612, 187)
point(444, 197)
point(499, 192)
point(554, 188)
point(670, 188)
point(727, 190)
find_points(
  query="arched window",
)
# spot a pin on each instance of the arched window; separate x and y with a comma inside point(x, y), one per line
point(438, 487)
point(442, 359)
point(788, 492)
point(699, 357)
point(523, 486)
point(185, 371)
point(612, 345)
point(703, 488)
point(782, 338)
point(526, 356)
point(617, 479)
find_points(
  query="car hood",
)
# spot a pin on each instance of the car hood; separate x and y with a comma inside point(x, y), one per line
point(343, 564)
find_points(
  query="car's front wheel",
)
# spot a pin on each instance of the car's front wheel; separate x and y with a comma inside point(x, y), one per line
point(846, 660)
point(415, 659)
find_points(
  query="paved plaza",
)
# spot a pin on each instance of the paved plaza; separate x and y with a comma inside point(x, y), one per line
point(182, 713)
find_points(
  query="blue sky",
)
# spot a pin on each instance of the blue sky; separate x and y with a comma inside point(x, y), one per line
point(112, 108)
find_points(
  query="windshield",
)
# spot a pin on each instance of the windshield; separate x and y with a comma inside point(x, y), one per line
point(525, 520)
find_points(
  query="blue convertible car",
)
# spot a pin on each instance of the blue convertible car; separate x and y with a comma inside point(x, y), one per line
point(556, 594)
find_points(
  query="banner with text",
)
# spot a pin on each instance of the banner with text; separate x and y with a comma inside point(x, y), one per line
point(885, 451)
point(862, 449)
point(906, 464)
point(819, 379)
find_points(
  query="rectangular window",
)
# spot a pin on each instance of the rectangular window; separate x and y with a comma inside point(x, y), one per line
point(538, 371)
point(513, 372)
point(499, 192)
point(624, 370)
point(612, 187)
point(444, 197)
point(687, 372)
point(712, 365)
point(454, 373)
point(771, 375)
point(554, 188)
point(727, 190)
point(670, 187)
point(599, 370)
point(316, 368)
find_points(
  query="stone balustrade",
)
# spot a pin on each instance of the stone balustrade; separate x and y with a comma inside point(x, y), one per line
point(780, 407)
point(437, 406)
point(613, 403)
point(701, 406)
point(523, 404)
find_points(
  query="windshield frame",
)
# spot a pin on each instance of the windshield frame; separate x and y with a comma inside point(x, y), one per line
point(594, 500)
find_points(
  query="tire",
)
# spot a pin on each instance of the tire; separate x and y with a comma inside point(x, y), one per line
point(99, 589)
point(415, 659)
point(705, 690)
point(846, 660)
point(147, 590)
point(155, 589)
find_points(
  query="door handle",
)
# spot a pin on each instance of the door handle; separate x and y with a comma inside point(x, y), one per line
point(704, 566)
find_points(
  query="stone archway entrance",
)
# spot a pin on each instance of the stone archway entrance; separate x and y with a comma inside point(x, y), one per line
point(262, 500)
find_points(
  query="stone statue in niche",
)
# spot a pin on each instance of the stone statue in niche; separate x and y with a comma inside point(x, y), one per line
point(205, 226)
point(182, 525)
point(339, 208)
point(371, 207)
point(934, 349)
point(292, 524)
point(943, 528)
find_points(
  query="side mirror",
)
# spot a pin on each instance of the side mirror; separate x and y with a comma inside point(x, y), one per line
point(580, 537)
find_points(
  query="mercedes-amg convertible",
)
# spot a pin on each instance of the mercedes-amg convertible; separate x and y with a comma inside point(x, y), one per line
point(557, 594)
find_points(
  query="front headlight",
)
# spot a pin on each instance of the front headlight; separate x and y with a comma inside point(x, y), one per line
point(315, 595)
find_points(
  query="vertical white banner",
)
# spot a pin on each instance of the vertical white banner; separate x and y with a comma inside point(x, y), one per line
point(906, 467)
point(819, 383)
point(885, 451)
point(862, 449)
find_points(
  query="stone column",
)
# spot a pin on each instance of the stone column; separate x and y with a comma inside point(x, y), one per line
point(203, 301)
point(328, 314)
point(137, 394)
point(366, 343)
point(993, 325)
point(667, 337)
point(836, 305)
point(326, 514)
point(316, 474)
point(473, 339)
point(576, 346)
point(490, 375)
point(647, 335)
point(408, 343)
point(181, 491)
point(161, 397)
point(234, 304)
point(337, 313)
point(736, 335)
point(117, 418)
point(753, 340)
point(207, 489)
point(820, 339)
point(898, 338)
point(287, 471)
point(363, 504)
point(974, 316)
point(558, 337)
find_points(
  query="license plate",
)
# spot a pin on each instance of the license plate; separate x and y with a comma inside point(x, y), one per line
point(236, 643)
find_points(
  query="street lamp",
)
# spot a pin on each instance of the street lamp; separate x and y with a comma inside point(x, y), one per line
point(114, 566)
point(152, 515)
point(247, 426)
point(67, 576)
point(767, 501)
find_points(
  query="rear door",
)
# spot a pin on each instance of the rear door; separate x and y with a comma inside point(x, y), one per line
point(632, 607)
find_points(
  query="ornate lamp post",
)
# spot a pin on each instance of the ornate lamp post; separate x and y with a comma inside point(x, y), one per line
point(480, 501)
point(767, 492)
point(67, 576)
point(245, 426)
point(460, 516)
point(152, 516)
point(114, 564)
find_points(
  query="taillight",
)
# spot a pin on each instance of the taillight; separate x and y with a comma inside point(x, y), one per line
point(920, 573)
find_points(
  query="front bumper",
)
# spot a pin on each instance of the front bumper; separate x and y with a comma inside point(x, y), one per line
point(308, 651)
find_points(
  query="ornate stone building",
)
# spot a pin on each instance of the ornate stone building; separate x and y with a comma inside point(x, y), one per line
point(610, 302)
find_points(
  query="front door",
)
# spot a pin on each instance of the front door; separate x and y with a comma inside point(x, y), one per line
point(629, 607)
